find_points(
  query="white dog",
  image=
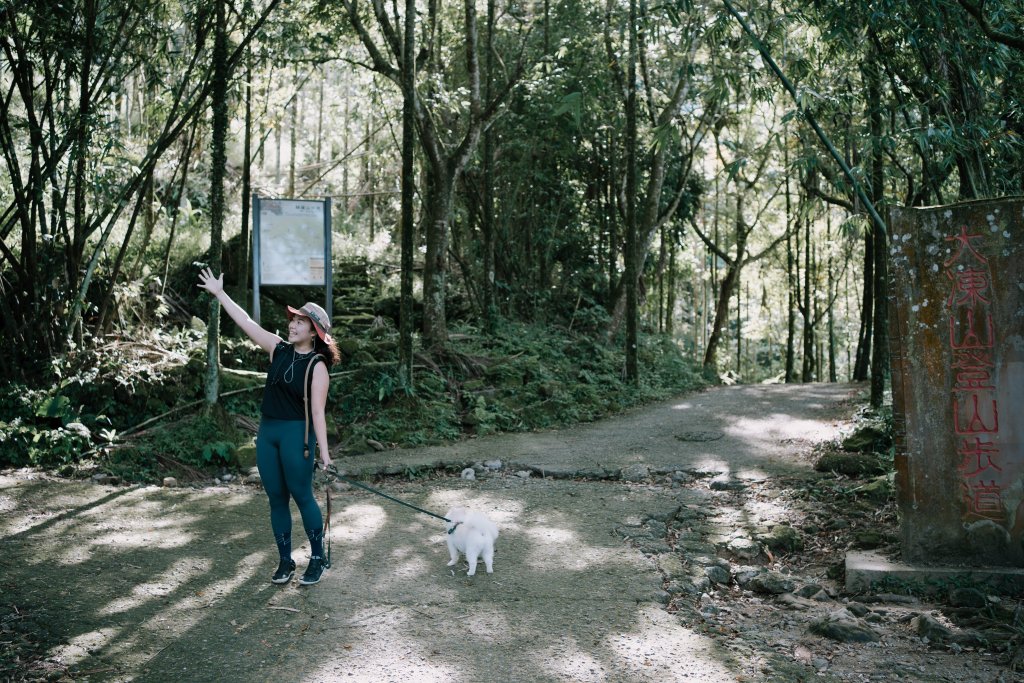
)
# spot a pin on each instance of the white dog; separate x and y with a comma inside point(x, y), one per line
point(473, 535)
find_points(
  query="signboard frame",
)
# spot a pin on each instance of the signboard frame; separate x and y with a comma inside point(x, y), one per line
point(261, 242)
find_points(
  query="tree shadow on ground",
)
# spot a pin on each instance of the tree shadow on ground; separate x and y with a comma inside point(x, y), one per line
point(157, 584)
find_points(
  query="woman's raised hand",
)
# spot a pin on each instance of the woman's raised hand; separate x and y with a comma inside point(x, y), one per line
point(211, 284)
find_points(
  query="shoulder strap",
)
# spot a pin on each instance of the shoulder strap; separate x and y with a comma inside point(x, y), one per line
point(305, 400)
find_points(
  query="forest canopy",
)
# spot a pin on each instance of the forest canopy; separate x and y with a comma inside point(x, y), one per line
point(608, 169)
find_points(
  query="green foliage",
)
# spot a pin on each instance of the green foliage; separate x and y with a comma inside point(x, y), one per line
point(40, 428)
point(194, 442)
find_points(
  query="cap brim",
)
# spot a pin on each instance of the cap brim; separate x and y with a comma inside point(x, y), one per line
point(319, 330)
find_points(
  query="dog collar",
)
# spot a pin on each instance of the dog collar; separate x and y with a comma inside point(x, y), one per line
point(454, 527)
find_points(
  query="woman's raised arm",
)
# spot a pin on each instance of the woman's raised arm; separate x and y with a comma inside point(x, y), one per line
point(265, 339)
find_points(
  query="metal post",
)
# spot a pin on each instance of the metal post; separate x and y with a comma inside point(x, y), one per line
point(328, 270)
point(256, 258)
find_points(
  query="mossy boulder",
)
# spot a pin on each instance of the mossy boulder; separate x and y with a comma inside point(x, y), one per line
point(878, 490)
point(245, 456)
point(868, 439)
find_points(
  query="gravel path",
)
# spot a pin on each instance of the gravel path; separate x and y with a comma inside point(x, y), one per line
point(599, 570)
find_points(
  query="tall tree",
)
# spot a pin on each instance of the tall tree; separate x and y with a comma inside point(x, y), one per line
point(218, 161)
point(446, 151)
point(408, 187)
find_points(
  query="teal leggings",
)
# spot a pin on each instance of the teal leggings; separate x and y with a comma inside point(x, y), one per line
point(287, 474)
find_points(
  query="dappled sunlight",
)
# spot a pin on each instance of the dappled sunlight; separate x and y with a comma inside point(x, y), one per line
point(500, 509)
point(685, 405)
point(661, 649)
point(79, 647)
point(172, 536)
point(358, 523)
point(407, 563)
point(385, 640)
point(488, 624)
point(185, 613)
point(549, 548)
point(172, 578)
point(567, 661)
point(777, 427)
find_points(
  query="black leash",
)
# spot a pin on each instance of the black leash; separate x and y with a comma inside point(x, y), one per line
point(334, 473)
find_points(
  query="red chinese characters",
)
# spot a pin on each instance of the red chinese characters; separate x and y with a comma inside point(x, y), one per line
point(975, 406)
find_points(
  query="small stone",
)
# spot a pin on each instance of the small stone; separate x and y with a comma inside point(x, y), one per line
point(812, 591)
point(493, 464)
point(170, 482)
point(772, 583)
point(375, 445)
point(635, 473)
point(745, 575)
point(869, 539)
point(792, 601)
point(227, 477)
point(719, 575)
point(841, 625)
point(744, 548)
point(857, 609)
point(929, 628)
point(725, 485)
point(469, 474)
point(783, 538)
point(524, 474)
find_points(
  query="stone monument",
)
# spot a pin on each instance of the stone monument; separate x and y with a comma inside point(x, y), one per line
point(956, 324)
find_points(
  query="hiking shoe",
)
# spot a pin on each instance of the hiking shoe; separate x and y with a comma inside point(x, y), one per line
point(313, 572)
point(285, 571)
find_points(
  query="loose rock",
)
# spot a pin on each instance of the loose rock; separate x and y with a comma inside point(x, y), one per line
point(841, 625)
point(772, 583)
point(635, 473)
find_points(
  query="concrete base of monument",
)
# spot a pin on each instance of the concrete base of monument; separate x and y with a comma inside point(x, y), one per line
point(871, 572)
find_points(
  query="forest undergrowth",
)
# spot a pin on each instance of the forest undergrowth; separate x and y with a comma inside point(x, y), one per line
point(132, 406)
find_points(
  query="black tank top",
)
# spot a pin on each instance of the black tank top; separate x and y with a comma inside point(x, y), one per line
point(282, 396)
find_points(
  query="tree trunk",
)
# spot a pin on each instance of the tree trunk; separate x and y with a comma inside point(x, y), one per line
point(405, 347)
point(830, 298)
point(490, 311)
point(879, 340)
point(725, 292)
point(218, 163)
point(74, 261)
point(435, 272)
point(808, 364)
point(632, 266)
point(244, 265)
point(791, 286)
point(862, 362)
point(293, 140)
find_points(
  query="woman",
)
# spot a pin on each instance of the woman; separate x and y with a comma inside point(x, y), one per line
point(285, 462)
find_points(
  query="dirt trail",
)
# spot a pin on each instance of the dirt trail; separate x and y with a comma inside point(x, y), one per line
point(599, 573)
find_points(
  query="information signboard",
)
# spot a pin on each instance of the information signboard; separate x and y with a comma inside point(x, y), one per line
point(291, 245)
